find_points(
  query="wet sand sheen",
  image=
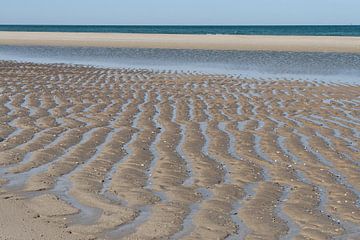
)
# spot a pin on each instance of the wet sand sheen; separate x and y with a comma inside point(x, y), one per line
point(140, 154)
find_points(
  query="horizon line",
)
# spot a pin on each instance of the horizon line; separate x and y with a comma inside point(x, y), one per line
point(174, 25)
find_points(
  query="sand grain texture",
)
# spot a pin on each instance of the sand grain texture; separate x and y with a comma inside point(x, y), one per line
point(19, 222)
point(139, 154)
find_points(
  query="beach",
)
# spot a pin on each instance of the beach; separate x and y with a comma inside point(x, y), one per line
point(183, 41)
point(123, 153)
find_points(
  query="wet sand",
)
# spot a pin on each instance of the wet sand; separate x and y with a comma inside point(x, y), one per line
point(183, 41)
point(18, 221)
point(95, 153)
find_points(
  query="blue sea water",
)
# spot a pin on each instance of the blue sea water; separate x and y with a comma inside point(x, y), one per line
point(322, 30)
point(338, 67)
point(266, 65)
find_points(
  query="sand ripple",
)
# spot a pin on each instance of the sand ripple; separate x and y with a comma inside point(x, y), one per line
point(138, 154)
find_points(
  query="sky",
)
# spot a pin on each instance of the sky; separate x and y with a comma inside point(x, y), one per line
point(187, 12)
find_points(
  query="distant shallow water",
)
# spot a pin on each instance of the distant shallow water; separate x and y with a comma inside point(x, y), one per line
point(328, 67)
point(307, 30)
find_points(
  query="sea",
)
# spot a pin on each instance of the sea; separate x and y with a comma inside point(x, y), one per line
point(300, 30)
point(263, 65)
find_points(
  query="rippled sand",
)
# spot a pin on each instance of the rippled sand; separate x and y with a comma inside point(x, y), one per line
point(138, 154)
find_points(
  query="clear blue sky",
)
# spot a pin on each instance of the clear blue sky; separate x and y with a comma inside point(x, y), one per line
point(242, 12)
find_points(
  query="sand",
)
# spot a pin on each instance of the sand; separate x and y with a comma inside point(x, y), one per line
point(214, 42)
point(137, 154)
point(19, 221)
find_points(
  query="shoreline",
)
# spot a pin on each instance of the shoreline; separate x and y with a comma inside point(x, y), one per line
point(174, 41)
point(259, 78)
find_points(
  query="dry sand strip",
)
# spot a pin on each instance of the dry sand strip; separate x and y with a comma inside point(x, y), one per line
point(174, 41)
point(99, 153)
point(18, 221)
